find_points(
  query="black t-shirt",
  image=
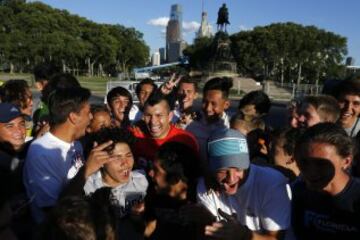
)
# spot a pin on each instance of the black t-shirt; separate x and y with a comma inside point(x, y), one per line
point(318, 215)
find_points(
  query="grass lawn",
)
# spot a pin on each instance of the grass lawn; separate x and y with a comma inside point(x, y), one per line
point(97, 85)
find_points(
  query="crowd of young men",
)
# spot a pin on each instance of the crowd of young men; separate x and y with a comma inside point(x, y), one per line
point(163, 169)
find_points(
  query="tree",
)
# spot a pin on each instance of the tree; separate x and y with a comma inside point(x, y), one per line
point(199, 53)
point(34, 32)
point(290, 52)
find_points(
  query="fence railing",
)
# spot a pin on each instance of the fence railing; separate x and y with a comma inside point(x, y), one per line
point(301, 90)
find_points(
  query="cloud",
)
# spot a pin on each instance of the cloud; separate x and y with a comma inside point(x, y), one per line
point(244, 28)
point(192, 26)
point(159, 22)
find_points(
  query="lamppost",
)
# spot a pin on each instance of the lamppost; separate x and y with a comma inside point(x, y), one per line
point(322, 63)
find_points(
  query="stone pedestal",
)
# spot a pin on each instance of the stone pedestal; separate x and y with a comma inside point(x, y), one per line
point(222, 61)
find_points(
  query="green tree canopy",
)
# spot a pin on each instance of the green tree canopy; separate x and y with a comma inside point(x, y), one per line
point(31, 33)
point(285, 52)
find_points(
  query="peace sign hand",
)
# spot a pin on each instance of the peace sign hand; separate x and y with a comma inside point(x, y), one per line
point(167, 87)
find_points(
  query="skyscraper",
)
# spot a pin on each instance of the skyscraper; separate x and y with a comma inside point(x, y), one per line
point(162, 52)
point(174, 45)
point(155, 59)
point(204, 30)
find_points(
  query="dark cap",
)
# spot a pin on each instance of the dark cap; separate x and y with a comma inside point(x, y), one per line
point(9, 112)
point(228, 148)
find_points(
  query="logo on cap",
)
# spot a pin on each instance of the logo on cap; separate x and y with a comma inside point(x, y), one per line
point(14, 109)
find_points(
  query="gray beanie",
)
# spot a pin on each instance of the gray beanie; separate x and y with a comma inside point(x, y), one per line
point(228, 148)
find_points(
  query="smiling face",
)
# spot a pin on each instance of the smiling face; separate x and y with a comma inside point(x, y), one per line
point(157, 119)
point(350, 109)
point(214, 105)
point(82, 120)
point(118, 107)
point(118, 170)
point(145, 92)
point(230, 179)
point(187, 93)
point(13, 132)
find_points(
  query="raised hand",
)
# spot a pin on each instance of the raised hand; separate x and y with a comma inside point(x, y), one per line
point(167, 87)
point(228, 229)
point(41, 128)
point(97, 158)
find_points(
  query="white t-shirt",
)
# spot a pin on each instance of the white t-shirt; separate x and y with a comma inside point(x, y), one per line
point(354, 129)
point(202, 131)
point(125, 195)
point(50, 163)
point(261, 203)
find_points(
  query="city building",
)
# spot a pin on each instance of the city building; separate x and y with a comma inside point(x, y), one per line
point(155, 59)
point(162, 52)
point(350, 61)
point(174, 41)
point(204, 30)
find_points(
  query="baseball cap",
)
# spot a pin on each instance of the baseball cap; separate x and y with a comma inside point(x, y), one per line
point(8, 112)
point(228, 148)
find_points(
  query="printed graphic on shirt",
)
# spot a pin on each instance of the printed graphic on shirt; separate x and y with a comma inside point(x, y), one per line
point(76, 163)
point(124, 201)
point(326, 224)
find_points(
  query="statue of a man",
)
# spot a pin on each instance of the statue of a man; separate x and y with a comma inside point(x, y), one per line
point(223, 18)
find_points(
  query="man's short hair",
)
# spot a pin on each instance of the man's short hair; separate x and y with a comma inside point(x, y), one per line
point(187, 79)
point(78, 217)
point(223, 84)
point(60, 80)
point(180, 162)
point(117, 92)
point(64, 101)
point(44, 71)
point(259, 99)
point(252, 124)
point(71, 217)
point(327, 133)
point(156, 99)
point(347, 87)
point(144, 82)
point(96, 108)
point(114, 134)
point(15, 92)
point(288, 137)
point(326, 106)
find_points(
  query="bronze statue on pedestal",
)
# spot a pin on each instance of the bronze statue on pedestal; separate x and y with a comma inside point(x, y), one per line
point(223, 18)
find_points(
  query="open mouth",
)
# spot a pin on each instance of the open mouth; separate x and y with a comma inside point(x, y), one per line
point(230, 187)
point(155, 129)
point(125, 173)
point(346, 115)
